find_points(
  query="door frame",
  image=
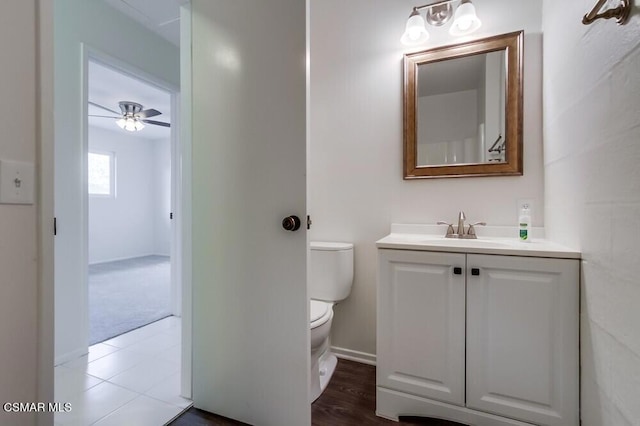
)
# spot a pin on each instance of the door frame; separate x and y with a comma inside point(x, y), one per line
point(184, 207)
point(45, 206)
point(91, 54)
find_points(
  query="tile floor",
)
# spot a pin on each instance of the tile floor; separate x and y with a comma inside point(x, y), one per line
point(132, 379)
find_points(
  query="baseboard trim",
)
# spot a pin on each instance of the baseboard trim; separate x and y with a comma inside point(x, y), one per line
point(69, 356)
point(351, 355)
point(99, 262)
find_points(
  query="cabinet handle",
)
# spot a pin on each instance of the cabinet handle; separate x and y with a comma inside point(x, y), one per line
point(457, 270)
point(475, 271)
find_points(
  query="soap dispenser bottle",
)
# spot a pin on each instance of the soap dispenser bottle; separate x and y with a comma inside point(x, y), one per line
point(524, 223)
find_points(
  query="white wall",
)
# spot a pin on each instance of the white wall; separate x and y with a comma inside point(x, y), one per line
point(18, 249)
point(162, 196)
point(101, 27)
point(130, 224)
point(355, 181)
point(592, 192)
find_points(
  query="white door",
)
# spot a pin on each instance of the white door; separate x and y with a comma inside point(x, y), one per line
point(250, 309)
point(421, 303)
point(522, 338)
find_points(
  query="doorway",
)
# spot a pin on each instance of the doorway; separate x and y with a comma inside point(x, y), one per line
point(134, 332)
point(129, 215)
point(121, 373)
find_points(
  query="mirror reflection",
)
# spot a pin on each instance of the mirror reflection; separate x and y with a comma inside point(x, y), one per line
point(463, 109)
point(460, 111)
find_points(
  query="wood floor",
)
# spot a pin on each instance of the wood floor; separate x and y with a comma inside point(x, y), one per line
point(349, 400)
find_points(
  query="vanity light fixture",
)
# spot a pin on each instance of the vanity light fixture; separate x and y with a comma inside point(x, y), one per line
point(465, 21)
point(439, 13)
point(415, 32)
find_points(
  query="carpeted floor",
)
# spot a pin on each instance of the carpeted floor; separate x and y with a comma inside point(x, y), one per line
point(127, 294)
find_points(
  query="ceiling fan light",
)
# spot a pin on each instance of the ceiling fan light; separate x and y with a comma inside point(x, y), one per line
point(465, 20)
point(138, 125)
point(130, 124)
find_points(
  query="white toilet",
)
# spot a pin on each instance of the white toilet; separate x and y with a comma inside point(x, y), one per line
point(331, 277)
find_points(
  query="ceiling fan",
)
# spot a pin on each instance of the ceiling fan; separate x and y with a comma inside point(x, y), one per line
point(131, 116)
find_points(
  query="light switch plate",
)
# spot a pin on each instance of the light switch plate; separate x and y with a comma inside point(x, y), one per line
point(16, 182)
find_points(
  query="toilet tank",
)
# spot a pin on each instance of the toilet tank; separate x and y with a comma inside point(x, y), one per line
point(331, 270)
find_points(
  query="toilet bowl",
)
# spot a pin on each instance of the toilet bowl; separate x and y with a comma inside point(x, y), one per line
point(331, 277)
point(323, 361)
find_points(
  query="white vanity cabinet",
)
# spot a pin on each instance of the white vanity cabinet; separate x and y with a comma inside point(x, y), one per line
point(421, 327)
point(494, 342)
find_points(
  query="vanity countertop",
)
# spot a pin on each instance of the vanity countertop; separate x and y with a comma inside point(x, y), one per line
point(491, 240)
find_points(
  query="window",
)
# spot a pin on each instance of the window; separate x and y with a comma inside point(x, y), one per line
point(102, 174)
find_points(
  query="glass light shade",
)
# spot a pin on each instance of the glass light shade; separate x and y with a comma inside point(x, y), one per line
point(137, 125)
point(130, 124)
point(415, 32)
point(465, 20)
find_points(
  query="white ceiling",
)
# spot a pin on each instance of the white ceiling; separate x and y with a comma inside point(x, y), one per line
point(160, 16)
point(107, 87)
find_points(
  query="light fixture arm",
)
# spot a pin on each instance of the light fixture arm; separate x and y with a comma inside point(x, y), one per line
point(438, 3)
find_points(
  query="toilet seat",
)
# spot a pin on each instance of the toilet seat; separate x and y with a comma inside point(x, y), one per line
point(319, 313)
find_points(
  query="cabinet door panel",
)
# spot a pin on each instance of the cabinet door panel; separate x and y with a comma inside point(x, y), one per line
point(522, 338)
point(421, 324)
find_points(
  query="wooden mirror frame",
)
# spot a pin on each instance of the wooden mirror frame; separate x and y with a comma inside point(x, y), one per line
point(512, 44)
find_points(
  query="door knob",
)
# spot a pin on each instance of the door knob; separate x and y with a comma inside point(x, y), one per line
point(291, 223)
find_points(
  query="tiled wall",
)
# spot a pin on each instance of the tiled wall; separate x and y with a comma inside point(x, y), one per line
point(592, 194)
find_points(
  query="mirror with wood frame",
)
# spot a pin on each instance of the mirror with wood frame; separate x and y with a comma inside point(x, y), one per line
point(463, 109)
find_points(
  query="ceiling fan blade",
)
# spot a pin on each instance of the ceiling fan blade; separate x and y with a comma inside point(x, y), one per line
point(148, 113)
point(103, 116)
point(157, 123)
point(104, 108)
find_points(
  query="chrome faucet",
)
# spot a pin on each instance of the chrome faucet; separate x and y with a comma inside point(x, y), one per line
point(460, 232)
point(461, 218)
